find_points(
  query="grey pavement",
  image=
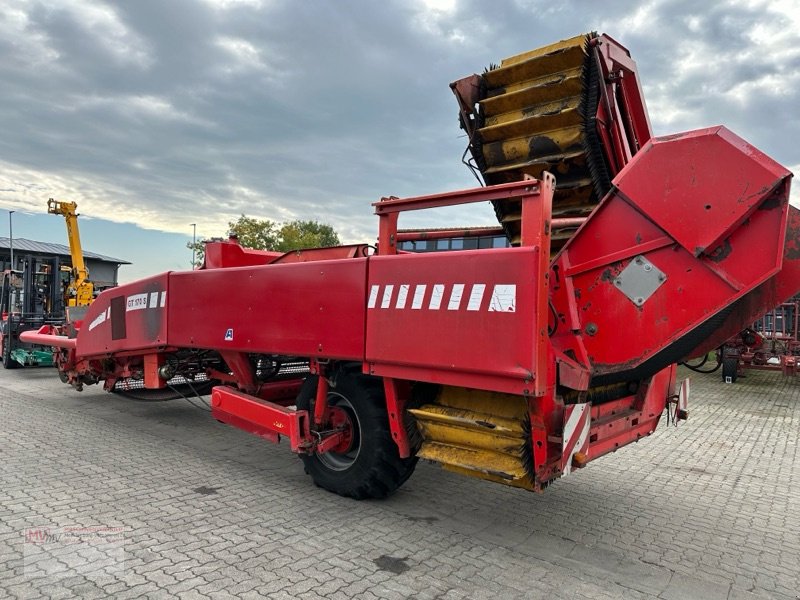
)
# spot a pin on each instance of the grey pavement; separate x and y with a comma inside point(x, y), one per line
point(708, 510)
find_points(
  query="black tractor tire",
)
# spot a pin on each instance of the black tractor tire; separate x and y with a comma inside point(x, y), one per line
point(373, 467)
point(5, 352)
point(730, 367)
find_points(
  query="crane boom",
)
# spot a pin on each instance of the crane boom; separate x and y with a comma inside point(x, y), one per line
point(80, 291)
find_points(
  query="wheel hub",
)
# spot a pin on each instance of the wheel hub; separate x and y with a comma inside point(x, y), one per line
point(340, 420)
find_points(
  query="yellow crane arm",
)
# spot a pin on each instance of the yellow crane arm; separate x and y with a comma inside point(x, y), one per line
point(80, 289)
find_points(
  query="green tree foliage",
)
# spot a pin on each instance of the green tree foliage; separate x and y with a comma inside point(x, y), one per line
point(255, 233)
point(296, 235)
point(269, 235)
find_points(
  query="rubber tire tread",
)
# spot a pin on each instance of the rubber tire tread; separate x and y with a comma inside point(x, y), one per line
point(378, 470)
point(8, 362)
point(730, 366)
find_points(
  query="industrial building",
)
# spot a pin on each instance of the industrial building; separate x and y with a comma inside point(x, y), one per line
point(103, 269)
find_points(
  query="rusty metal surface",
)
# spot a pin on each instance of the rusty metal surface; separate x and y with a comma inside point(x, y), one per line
point(778, 289)
point(556, 109)
point(481, 434)
point(669, 173)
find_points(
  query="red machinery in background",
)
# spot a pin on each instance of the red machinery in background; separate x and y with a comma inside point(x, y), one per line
point(770, 344)
point(507, 364)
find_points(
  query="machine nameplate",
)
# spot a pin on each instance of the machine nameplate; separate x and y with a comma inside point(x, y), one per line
point(639, 280)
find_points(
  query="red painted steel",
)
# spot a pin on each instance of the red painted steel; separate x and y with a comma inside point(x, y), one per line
point(620, 422)
point(303, 309)
point(705, 272)
point(397, 396)
point(503, 320)
point(283, 392)
point(219, 256)
point(622, 119)
point(481, 304)
point(127, 318)
point(260, 417)
point(772, 292)
point(314, 254)
point(45, 336)
point(696, 206)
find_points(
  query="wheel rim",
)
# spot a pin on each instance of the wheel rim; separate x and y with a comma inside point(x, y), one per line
point(341, 461)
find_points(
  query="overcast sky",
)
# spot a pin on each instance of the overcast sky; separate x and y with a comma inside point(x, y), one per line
point(161, 113)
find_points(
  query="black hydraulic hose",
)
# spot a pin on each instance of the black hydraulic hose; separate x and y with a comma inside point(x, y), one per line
point(699, 369)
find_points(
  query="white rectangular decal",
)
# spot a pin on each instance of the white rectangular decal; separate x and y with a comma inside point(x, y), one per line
point(455, 297)
point(419, 296)
point(136, 302)
point(402, 294)
point(387, 296)
point(163, 299)
point(476, 297)
point(436, 297)
point(504, 298)
point(373, 296)
point(153, 299)
point(98, 320)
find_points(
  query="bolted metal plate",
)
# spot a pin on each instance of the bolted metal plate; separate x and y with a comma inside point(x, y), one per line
point(639, 280)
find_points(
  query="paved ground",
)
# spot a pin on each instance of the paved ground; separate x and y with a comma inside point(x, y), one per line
point(709, 510)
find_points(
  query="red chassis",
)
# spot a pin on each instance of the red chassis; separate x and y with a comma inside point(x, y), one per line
point(587, 340)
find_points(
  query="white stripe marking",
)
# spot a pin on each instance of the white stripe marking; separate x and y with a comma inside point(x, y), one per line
point(476, 297)
point(402, 294)
point(436, 297)
point(163, 299)
point(153, 299)
point(572, 421)
point(373, 296)
point(455, 296)
point(579, 417)
point(504, 299)
point(387, 296)
point(419, 296)
point(683, 394)
point(98, 320)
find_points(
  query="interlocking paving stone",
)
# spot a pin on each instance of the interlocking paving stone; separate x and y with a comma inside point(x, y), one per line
point(708, 510)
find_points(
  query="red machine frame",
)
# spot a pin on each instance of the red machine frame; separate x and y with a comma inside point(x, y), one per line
point(592, 360)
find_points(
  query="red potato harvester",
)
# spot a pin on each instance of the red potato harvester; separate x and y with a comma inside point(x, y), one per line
point(516, 365)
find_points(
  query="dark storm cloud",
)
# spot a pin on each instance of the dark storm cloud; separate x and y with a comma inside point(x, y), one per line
point(197, 111)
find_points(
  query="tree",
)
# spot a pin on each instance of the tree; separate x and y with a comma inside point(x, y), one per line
point(255, 233)
point(296, 235)
point(269, 235)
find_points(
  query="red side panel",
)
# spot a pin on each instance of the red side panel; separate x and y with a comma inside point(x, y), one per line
point(126, 318)
point(706, 211)
point(459, 318)
point(771, 293)
point(306, 309)
point(229, 254)
point(697, 185)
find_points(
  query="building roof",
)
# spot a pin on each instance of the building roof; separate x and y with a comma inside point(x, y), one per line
point(24, 245)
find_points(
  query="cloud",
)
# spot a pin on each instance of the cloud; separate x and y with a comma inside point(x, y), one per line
point(163, 114)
